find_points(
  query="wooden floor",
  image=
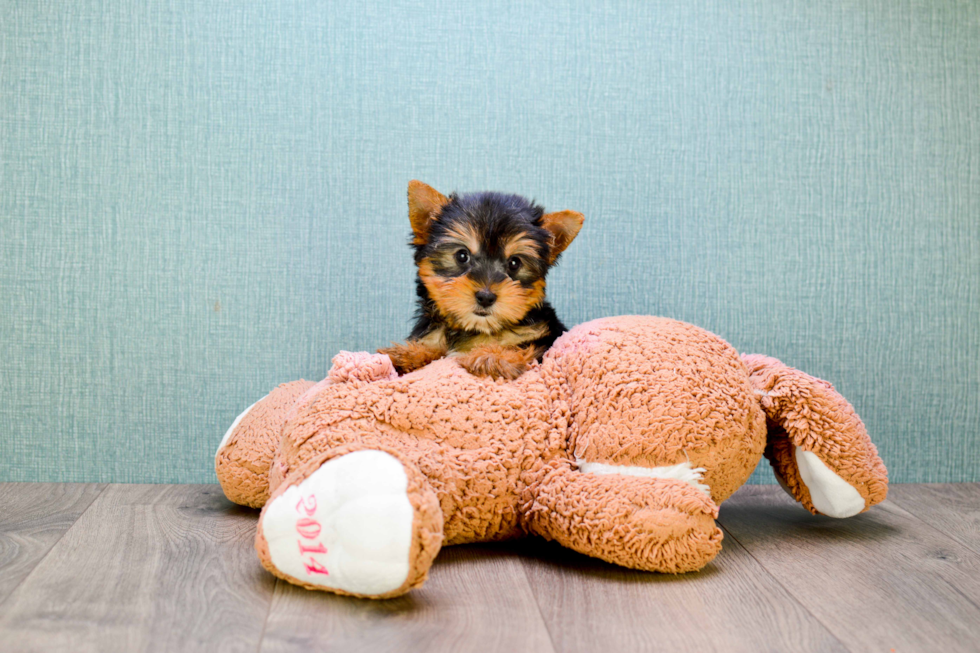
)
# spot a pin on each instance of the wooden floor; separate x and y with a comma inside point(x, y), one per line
point(171, 568)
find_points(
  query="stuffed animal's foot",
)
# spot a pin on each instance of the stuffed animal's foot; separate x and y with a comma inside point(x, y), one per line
point(362, 523)
point(243, 460)
point(811, 481)
point(818, 446)
point(830, 494)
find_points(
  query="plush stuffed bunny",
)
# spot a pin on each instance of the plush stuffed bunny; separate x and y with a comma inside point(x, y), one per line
point(621, 445)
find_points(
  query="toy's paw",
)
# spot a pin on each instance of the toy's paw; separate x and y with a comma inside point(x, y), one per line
point(362, 366)
point(830, 494)
point(231, 429)
point(243, 461)
point(347, 526)
point(817, 444)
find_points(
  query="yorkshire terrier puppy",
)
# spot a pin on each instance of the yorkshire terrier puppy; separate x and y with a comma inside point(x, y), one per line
point(482, 260)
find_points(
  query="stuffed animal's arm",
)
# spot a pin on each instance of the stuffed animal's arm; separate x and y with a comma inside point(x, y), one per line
point(655, 524)
point(360, 366)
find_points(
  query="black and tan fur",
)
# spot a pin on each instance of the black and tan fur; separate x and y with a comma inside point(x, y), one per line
point(482, 261)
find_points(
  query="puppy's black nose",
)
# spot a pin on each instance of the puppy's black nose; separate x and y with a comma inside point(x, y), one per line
point(485, 298)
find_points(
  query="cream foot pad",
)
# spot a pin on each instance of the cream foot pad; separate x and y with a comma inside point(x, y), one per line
point(347, 526)
point(830, 494)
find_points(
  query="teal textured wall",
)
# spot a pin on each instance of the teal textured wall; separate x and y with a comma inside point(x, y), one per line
point(203, 199)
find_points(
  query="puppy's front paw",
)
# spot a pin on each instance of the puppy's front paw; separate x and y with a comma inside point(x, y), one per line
point(497, 362)
point(412, 355)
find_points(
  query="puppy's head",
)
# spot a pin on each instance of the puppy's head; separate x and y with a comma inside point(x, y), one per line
point(483, 257)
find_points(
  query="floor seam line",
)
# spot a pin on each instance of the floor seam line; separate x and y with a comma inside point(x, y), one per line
point(537, 604)
point(789, 592)
point(53, 545)
point(947, 536)
point(898, 505)
point(268, 611)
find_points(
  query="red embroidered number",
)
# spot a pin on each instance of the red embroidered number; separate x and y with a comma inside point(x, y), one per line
point(308, 506)
point(309, 529)
point(314, 567)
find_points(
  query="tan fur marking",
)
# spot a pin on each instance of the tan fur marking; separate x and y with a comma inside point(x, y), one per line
point(514, 300)
point(435, 339)
point(498, 362)
point(455, 299)
point(424, 205)
point(508, 338)
point(563, 226)
point(520, 244)
point(466, 236)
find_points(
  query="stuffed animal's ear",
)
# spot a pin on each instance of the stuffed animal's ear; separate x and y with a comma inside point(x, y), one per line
point(564, 226)
point(424, 205)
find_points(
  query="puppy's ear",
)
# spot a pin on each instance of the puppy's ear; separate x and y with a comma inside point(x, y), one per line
point(563, 226)
point(424, 204)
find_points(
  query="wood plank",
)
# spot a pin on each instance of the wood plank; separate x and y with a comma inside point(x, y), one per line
point(33, 517)
point(880, 581)
point(146, 568)
point(953, 508)
point(730, 605)
point(476, 599)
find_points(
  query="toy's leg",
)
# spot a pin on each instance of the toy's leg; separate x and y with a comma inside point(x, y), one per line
point(655, 524)
point(818, 446)
point(352, 521)
point(244, 457)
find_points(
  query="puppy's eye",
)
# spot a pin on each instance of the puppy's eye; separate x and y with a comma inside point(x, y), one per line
point(462, 257)
point(513, 264)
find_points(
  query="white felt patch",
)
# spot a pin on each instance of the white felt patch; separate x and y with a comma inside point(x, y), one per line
point(231, 430)
point(681, 471)
point(347, 526)
point(831, 495)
